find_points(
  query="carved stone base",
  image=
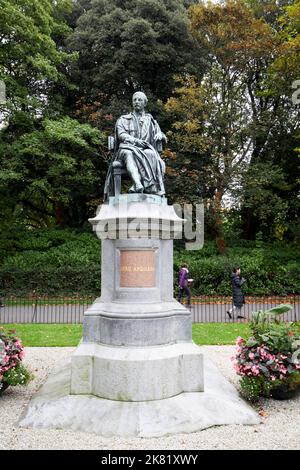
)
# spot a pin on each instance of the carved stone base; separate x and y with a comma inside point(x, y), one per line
point(136, 374)
point(55, 408)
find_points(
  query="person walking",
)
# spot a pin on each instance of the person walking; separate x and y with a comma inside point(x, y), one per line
point(184, 284)
point(238, 297)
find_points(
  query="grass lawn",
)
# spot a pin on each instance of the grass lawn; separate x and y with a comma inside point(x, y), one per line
point(69, 335)
point(219, 333)
point(39, 334)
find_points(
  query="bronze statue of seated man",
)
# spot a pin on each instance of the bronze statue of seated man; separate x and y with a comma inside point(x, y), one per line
point(138, 141)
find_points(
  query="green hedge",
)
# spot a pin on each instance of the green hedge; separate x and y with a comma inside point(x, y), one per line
point(52, 281)
point(67, 262)
point(268, 270)
point(53, 262)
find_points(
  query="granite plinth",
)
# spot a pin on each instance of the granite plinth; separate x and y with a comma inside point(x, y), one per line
point(54, 407)
point(136, 374)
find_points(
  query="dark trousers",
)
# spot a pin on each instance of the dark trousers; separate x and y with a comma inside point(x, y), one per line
point(184, 290)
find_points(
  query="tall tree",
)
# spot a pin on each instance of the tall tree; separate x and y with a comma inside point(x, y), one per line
point(210, 143)
point(130, 45)
point(269, 10)
point(29, 57)
point(52, 173)
point(224, 119)
point(246, 115)
point(50, 170)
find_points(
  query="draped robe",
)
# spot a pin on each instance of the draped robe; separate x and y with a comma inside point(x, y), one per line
point(149, 164)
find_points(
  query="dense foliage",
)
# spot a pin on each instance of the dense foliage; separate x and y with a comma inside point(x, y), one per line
point(223, 79)
point(235, 132)
point(130, 45)
point(269, 358)
point(12, 371)
point(58, 262)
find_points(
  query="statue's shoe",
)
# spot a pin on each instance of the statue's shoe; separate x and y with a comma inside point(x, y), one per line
point(136, 189)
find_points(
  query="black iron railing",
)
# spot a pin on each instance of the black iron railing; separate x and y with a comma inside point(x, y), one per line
point(205, 309)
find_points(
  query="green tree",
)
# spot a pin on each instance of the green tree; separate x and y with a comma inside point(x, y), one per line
point(129, 45)
point(210, 143)
point(269, 10)
point(233, 120)
point(50, 166)
point(283, 75)
point(30, 61)
point(52, 174)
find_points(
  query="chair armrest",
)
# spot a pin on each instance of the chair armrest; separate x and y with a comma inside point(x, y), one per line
point(117, 164)
point(111, 143)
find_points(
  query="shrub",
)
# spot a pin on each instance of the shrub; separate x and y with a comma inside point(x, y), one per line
point(12, 372)
point(267, 360)
point(60, 262)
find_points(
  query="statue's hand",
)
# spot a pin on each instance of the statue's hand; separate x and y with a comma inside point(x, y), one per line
point(159, 137)
point(141, 143)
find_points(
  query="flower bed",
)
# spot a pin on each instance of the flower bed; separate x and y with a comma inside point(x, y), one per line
point(12, 371)
point(269, 361)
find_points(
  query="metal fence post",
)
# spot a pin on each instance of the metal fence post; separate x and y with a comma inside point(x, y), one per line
point(35, 307)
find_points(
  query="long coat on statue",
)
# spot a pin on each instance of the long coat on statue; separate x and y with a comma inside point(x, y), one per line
point(149, 164)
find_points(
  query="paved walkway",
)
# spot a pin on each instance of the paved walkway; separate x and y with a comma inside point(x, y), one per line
point(279, 427)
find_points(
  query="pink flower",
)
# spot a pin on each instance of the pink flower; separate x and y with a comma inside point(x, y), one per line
point(239, 340)
point(283, 369)
point(5, 359)
point(22, 354)
point(255, 369)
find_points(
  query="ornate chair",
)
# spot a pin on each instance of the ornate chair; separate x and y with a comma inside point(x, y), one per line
point(118, 169)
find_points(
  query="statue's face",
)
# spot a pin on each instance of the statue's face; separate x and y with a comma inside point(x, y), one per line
point(138, 102)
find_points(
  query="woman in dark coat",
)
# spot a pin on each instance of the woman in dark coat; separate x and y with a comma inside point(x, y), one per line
point(238, 297)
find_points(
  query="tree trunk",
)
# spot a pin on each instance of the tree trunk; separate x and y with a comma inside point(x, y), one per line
point(217, 227)
point(60, 214)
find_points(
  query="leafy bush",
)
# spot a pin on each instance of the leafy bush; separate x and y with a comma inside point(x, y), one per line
point(12, 372)
point(60, 261)
point(268, 358)
point(18, 375)
point(269, 269)
point(53, 281)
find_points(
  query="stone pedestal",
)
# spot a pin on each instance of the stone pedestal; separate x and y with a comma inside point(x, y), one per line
point(137, 342)
point(137, 371)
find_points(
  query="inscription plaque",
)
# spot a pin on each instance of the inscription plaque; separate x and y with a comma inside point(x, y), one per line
point(137, 268)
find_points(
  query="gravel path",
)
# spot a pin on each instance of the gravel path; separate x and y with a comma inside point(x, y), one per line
point(279, 428)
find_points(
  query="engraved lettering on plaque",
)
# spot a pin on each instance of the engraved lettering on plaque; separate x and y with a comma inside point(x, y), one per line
point(137, 268)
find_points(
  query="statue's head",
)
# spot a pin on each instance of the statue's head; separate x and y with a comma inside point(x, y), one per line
point(139, 100)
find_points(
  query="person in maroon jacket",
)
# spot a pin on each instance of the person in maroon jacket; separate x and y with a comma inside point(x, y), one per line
point(184, 284)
